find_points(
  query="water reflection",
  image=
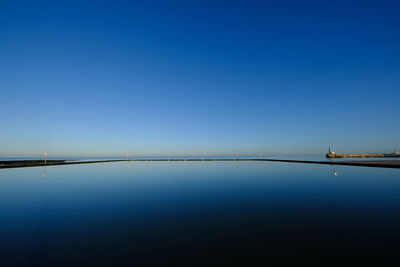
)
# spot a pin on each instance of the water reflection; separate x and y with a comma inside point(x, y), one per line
point(333, 166)
point(97, 213)
point(128, 165)
point(334, 170)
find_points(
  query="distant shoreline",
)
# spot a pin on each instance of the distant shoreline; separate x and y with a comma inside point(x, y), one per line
point(39, 163)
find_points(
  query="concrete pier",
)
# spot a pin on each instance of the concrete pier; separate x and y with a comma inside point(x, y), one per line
point(332, 155)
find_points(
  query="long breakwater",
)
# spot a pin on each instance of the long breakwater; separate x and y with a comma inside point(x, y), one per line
point(38, 163)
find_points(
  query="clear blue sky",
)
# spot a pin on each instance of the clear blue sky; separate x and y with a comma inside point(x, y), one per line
point(198, 78)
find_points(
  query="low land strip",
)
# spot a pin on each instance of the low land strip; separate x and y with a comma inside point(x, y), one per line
point(37, 163)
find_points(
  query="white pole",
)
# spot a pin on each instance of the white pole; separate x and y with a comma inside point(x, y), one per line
point(127, 154)
point(45, 157)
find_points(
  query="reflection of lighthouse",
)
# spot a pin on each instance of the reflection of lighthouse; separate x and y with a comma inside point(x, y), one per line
point(332, 160)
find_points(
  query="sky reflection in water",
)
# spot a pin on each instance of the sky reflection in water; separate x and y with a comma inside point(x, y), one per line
point(196, 212)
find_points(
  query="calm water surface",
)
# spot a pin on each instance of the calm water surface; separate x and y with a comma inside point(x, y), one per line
point(198, 213)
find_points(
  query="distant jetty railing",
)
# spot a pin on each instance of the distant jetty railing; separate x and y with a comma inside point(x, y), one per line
point(332, 154)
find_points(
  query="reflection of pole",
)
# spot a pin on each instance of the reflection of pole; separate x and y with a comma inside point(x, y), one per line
point(44, 172)
point(332, 160)
point(128, 163)
point(45, 157)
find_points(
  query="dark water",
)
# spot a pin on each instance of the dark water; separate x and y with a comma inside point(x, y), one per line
point(199, 213)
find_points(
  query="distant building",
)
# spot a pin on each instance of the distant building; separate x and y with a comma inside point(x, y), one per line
point(332, 154)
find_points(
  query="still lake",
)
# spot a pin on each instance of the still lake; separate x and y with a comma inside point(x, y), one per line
point(198, 213)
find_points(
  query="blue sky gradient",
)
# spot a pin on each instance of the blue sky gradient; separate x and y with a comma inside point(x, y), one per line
point(198, 78)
